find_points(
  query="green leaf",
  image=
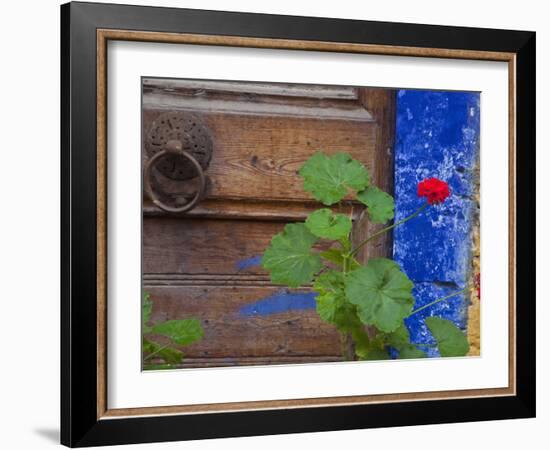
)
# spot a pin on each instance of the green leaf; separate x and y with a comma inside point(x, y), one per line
point(157, 366)
point(345, 243)
point(149, 346)
point(361, 340)
point(289, 257)
point(324, 224)
point(146, 309)
point(372, 354)
point(182, 332)
point(328, 178)
point(334, 309)
point(451, 341)
point(382, 293)
point(333, 255)
point(380, 204)
point(411, 352)
point(171, 355)
point(374, 351)
point(336, 256)
point(329, 281)
point(331, 299)
point(330, 307)
point(399, 338)
point(331, 302)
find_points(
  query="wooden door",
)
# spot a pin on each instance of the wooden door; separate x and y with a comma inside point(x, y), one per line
point(204, 263)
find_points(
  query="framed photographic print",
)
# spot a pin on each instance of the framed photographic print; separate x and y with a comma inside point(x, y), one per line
point(276, 224)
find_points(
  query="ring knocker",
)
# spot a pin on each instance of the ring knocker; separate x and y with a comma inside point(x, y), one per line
point(175, 148)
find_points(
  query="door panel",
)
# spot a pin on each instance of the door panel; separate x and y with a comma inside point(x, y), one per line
point(203, 246)
point(262, 154)
point(233, 331)
point(205, 263)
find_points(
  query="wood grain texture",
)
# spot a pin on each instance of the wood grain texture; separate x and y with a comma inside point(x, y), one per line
point(381, 102)
point(341, 47)
point(259, 157)
point(197, 246)
point(101, 224)
point(250, 209)
point(263, 99)
point(233, 335)
point(253, 191)
point(180, 87)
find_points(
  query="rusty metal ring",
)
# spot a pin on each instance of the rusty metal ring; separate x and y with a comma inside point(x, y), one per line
point(173, 148)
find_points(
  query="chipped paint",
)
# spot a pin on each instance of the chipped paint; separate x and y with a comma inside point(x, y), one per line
point(437, 135)
point(280, 302)
point(244, 264)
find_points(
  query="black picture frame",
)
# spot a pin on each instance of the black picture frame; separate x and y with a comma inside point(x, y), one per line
point(80, 425)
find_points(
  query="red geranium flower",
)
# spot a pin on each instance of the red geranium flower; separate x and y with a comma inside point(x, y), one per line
point(435, 190)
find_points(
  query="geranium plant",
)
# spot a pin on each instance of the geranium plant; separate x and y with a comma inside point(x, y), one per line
point(367, 302)
point(162, 339)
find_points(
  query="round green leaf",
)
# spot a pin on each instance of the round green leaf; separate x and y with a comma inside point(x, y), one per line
point(379, 204)
point(289, 258)
point(332, 305)
point(182, 332)
point(411, 352)
point(399, 338)
point(451, 341)
point(328, 178)
point(168, 354)
point(324, 224)
point(382, 293)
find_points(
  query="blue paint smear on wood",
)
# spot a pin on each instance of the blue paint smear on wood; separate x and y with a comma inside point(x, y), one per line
point(244, 264)
point(280, 302)
point(437, 135)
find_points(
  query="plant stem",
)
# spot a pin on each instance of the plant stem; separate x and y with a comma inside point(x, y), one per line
point(438, 300)
point(383, 230)
point(158, 350)
point(348, 346)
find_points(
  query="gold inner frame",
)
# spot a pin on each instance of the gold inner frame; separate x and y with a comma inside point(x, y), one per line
point(103, 36)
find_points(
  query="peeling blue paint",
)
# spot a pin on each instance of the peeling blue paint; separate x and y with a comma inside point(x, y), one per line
point(437, 135)
point(244, 264)
point(280, 302)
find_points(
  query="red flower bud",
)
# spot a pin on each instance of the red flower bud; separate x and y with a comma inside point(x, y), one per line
point(435, 191)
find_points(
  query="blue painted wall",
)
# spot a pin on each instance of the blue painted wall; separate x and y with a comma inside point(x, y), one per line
point(437, 135)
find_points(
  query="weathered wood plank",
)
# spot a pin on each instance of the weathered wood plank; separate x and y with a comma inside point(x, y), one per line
point(232, 328)
point(200, 246)
point(196, 87)
point(260, 99)
point(253, 361)
point(286, 211)
point(259, 157)
point(381, 102)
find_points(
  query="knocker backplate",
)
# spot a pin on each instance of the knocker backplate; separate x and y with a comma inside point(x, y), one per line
point(195, 137)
